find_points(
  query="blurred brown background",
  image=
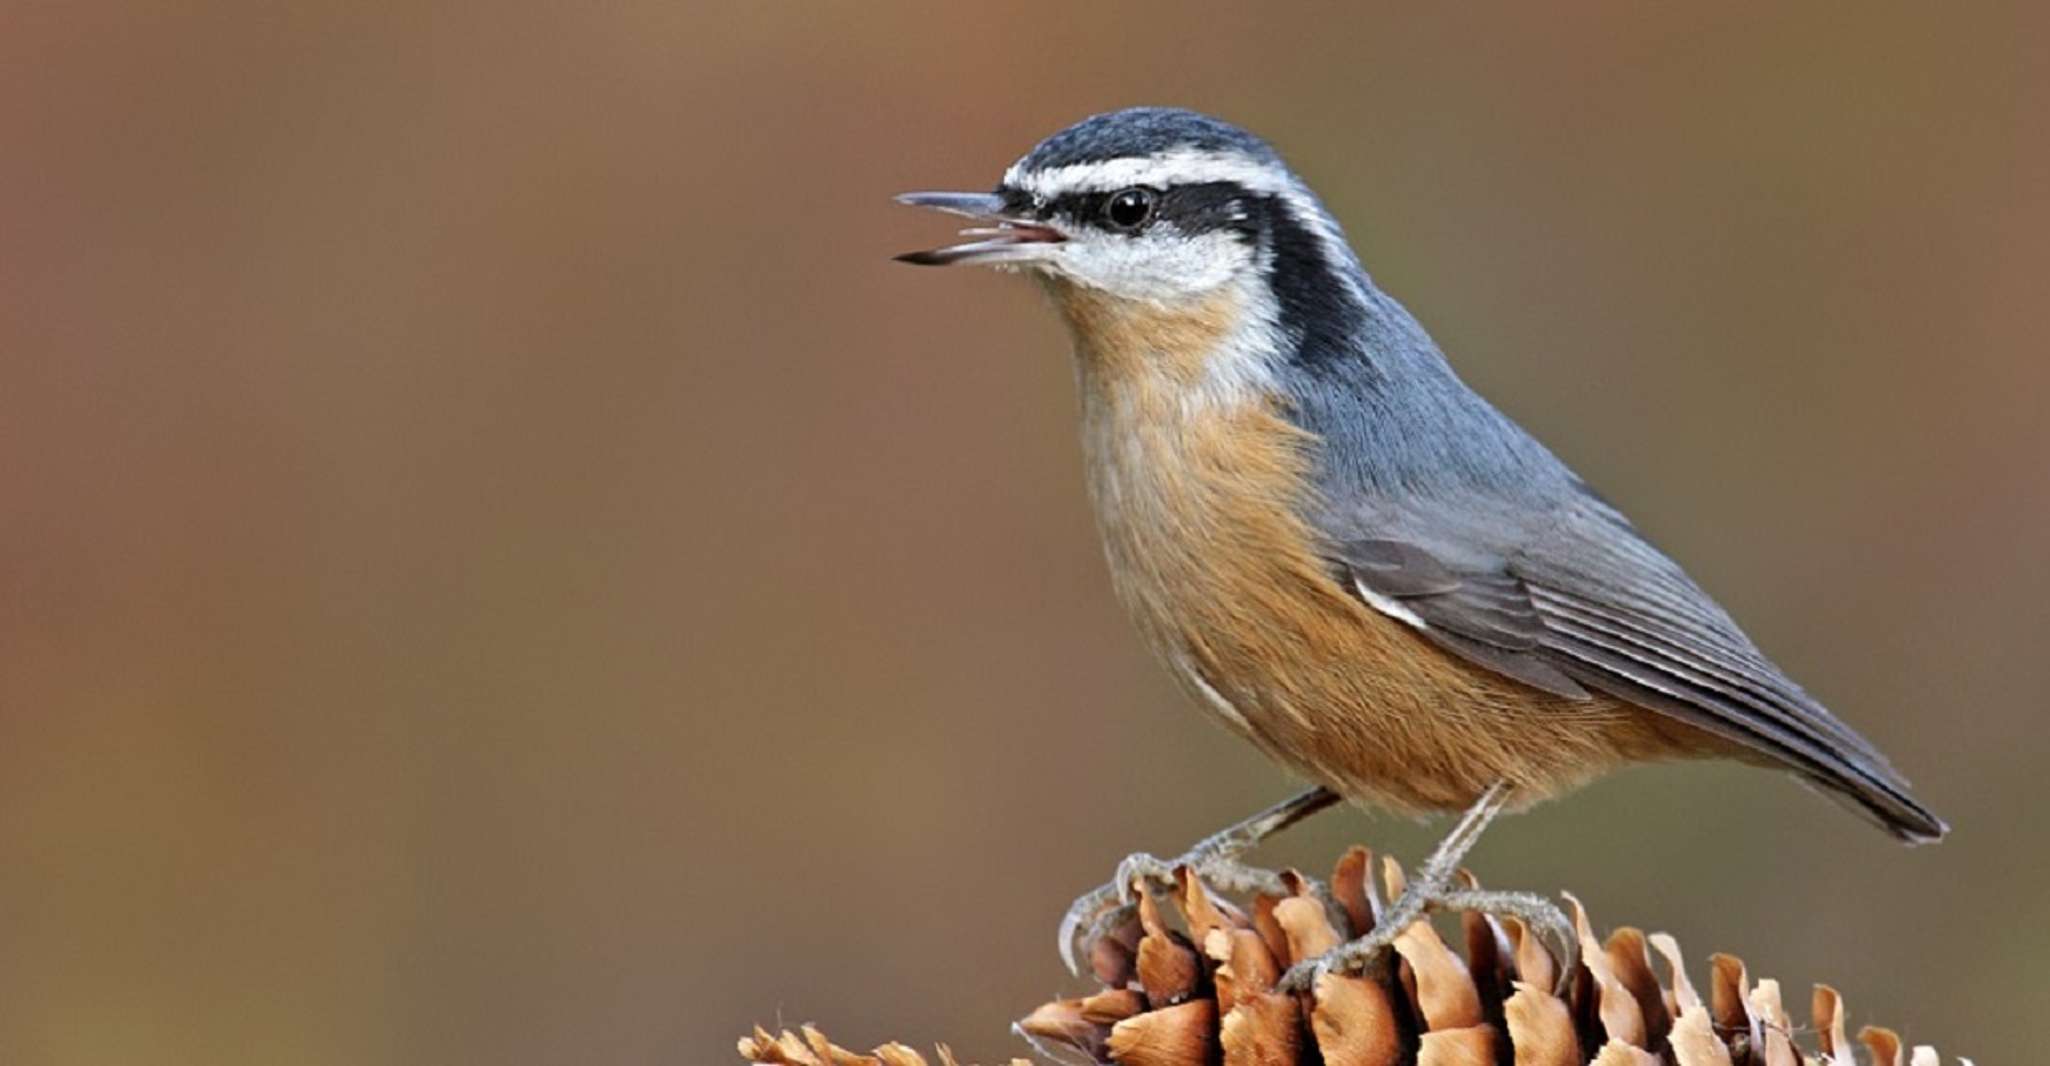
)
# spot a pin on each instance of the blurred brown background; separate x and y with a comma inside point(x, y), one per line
point(498, 567)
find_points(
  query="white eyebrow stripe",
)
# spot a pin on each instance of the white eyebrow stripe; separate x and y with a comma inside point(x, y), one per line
point(1189, 166)
point(1181, 167)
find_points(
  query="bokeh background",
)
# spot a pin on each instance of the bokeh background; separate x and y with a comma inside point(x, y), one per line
point(497, 566)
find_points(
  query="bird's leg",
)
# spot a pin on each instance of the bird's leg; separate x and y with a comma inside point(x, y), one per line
point(1214, 859)
point(1433, 884)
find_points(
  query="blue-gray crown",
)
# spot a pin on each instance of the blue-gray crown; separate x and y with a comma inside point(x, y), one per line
point(1144, 131)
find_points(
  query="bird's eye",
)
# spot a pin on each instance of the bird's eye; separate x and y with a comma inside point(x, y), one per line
point(1129, 209)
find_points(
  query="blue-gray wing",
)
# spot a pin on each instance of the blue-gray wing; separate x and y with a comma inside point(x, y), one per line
point(1572, 598)
point(1484, 616)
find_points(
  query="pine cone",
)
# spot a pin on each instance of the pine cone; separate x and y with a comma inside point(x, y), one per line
point(1199, 990)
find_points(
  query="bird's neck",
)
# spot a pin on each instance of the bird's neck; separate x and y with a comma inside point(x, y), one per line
point(1184, 431)
point(1199, 479)
point(1180, 401)
point(1168, 362)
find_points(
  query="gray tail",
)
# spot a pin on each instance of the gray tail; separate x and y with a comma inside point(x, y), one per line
point(1883, 799)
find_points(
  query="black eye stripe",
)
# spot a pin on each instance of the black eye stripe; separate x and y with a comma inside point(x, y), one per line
point(1198, 207)
point(1078, 206)
point(1022, 204)
point(1206, 206)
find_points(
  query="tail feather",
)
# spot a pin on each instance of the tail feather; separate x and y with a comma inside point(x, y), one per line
point(1883, 800)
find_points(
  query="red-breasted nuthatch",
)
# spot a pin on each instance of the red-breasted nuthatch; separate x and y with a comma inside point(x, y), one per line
point(1344, 553)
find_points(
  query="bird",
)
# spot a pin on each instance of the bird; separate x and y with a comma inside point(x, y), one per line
point(1339, 549)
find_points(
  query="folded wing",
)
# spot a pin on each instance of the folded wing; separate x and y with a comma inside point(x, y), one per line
point(1584, 602)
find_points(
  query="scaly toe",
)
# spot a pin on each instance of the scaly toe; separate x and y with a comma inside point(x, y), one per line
point(1302, 977)
point(1100, 909)
point(1352, 957)
point(1231, 875)
point(1142, 871)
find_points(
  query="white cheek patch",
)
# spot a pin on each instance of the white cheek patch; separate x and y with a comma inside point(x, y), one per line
point(1161, 266)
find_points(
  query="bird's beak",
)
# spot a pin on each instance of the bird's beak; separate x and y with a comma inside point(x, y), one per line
point(1002, 240)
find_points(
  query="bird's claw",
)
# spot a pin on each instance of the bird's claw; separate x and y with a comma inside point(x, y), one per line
point(1090, 909)
point(1214, 859)
point(1096, 912)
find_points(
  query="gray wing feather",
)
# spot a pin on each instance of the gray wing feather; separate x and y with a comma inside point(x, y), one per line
point(1484, 617)
point(1584, 602)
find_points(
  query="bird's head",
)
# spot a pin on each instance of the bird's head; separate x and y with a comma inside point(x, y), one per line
point(1160, 212)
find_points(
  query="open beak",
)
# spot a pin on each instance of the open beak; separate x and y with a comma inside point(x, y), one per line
point(1000, 240)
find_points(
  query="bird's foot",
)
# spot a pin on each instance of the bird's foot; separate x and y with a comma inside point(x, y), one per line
point(1539, 914)
point(1098, 913)
point(1355, 955)
point(1214, 859)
